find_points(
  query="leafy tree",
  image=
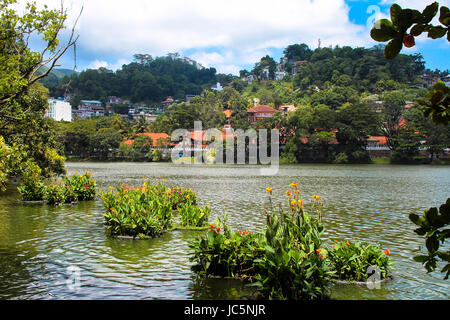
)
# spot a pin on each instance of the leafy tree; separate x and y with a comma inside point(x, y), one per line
point(298, 52)
point(105, 141)
point(23, 100)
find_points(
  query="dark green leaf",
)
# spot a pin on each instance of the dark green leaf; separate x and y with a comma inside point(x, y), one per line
point(437, 32)
point(395, 13)
point(382, 30)
point(432, 244)
point(417, 30)
point(406, 18)
point(444, 17)
point(421, 259)
point(415, 219)
point(429, 12)
point(393, 48)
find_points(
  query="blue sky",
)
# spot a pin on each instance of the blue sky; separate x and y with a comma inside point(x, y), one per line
point(228, 35)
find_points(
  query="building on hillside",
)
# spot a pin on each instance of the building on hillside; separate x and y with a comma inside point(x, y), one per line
point(113, 100)
point(88, 109)
point(189, 97)
point(260, 112)
point(59, 110)
point(217, 87)
point(249, 79)
point(166, 102)
point(288, 108)
point(91, 103)
point(279, 75)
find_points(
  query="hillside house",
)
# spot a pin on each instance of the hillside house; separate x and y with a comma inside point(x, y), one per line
point(260, 112)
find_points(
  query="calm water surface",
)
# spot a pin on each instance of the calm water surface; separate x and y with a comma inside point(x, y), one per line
point(367, 202)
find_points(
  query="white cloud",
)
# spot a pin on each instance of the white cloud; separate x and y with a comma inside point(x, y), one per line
point(224, 34)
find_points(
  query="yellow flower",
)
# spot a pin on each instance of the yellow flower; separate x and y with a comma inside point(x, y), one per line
point(131, 200)
point(294, 185)
point(293, 202)
point(269, 190)
point(76, 172)
point(168, 191)
point(164, 180)
point(143, 177)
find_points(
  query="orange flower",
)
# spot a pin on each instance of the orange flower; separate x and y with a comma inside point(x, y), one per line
point(269, 190)
point(347, 243)
point(218, 229)
point(387, 252)
point(289, 193)
point(318, 250)
point(294, 185)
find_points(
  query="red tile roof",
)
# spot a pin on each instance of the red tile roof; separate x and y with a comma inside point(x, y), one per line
point(262, 109)
point(154, 136)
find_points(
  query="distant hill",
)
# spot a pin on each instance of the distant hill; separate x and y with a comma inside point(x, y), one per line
point(55, 76)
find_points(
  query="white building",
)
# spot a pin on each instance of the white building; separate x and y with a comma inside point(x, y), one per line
point(59, 110)
point(217, 87)
point(280, 75)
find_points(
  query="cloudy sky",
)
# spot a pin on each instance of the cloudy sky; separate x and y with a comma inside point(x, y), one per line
point(229, 35)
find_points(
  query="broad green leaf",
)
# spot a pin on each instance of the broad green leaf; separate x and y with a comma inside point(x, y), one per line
point(444, 16)
point(393, 48)
point(421, 258)
point(383, 30)
point(395, 13)
point(417, 30)
point(429, 12)
point(437, 32)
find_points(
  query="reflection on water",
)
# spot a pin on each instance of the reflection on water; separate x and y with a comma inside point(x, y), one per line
point(366, 202)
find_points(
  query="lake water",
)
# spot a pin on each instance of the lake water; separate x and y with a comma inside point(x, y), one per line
point(42, 248)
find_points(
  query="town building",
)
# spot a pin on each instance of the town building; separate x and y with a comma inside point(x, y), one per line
point(166, 102)
point(59, 110)
point(217, 87)
point(260, 112)
point(288, 108)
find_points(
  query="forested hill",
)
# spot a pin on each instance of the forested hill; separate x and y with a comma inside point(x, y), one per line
point(360, 68)
point(144, 80)
point(151, 80)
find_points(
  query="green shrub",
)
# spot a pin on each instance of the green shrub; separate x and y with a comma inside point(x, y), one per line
point(32, 188)
point(194, 216)
point(55, 195)
point(222, 252)
point(285, 261)
point(350, 260)
point(84, 186)
point(145, 210)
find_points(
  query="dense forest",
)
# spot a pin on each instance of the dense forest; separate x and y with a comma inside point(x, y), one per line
point(148, 80)
point(144, 80)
